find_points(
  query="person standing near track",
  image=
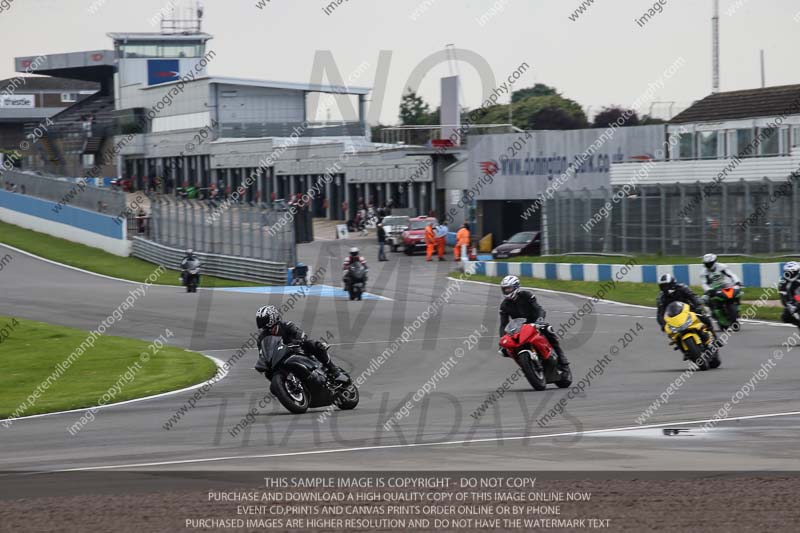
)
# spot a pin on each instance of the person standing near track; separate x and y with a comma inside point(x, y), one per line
point(462, 239)
point(441, 239)
point(430, 240)
point(381, 242)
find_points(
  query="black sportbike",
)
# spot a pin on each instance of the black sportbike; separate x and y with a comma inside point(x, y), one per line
point(300, 381)
point(357, 280)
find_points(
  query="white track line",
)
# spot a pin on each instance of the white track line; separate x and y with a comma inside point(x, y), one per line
point(419, 445)
point(612, 302)
point(221, 372)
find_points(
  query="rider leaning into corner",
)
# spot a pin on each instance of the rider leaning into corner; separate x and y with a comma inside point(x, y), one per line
point(518, 303)
point(788, 286)
point(269, 322)
point(672, 291)
point(355, 255)
point(716, 273)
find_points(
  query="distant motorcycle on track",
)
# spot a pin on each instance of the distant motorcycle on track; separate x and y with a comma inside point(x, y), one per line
point(191, 275)
point(724, 301)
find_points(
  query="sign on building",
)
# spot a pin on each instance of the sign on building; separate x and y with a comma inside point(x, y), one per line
point(19, 101)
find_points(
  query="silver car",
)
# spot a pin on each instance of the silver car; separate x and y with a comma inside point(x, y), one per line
point(394, 226)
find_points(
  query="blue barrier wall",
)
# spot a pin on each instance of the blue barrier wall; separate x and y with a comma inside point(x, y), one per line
point(751, 274)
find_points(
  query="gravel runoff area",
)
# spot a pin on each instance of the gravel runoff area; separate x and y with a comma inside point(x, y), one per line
point(707, 502)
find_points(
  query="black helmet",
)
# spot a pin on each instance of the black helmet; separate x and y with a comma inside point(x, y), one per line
point(667, 283)
point(268, 317)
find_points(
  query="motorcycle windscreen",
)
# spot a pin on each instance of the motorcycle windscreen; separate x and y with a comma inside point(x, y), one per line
point(515, 325)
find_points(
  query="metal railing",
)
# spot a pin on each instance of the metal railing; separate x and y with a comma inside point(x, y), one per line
point(223, 266)
point(239, 230)
point(61, 190)
point(736, 217)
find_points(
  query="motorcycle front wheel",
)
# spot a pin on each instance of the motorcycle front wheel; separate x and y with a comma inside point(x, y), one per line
point(695, 353)
point(290, 391)
point(533, 370)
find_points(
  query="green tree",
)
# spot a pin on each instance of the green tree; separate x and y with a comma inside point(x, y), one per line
point(612, 114)
point(540, 89)
point(551, 112)
point(413, 110)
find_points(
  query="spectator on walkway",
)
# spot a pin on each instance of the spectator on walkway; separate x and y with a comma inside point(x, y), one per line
point(381, 243)
point(441, 239)
point(430, 241)
point(462, 242)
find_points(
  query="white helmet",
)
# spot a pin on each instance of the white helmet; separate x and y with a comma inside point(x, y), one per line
point(709, 260)
point(510, 287)
point(354, 251)
point(791, 270)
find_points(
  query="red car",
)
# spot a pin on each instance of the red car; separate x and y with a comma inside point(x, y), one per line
point(414, 236)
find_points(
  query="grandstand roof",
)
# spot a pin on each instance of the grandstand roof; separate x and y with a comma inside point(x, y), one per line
point(750, 103)
point(310, 87)
point(247, 82)
point(47, 83)
point(156, 36)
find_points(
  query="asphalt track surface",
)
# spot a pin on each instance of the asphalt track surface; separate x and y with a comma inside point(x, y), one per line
point(439, 432)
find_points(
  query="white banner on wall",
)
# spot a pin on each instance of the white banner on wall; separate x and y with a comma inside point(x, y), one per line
point(20, 101)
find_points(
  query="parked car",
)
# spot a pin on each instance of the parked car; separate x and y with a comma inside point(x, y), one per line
point(523, 243)
point(414, 236)
point(394, 226)
point(125, 184)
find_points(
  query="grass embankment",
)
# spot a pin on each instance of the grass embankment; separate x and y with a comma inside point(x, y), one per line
point(31, 352)
point(636, 293)
point(95, 260)
point(645, 259)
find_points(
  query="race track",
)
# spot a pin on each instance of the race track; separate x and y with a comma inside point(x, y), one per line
point(439, 431)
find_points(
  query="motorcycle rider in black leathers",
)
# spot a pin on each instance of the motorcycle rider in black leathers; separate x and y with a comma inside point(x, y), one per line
point(269, 322)
point(788, 286)
point(672, 291)
point(522, 304)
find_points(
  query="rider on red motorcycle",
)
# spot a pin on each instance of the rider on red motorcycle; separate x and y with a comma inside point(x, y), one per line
point(522, 304)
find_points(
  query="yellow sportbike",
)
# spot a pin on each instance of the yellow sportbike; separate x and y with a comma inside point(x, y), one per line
point(691, 336)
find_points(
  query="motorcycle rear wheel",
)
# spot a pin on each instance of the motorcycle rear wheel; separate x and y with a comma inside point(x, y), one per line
point(294, 395)
point(566, 379)
point(348, 399)
point(533, 371)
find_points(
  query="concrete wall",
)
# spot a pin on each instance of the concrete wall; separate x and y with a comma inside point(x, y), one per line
point(71, 223)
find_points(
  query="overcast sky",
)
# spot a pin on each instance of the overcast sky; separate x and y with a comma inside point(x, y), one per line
point(602, 58)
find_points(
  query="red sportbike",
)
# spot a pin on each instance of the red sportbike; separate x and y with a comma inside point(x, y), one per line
point(534, 354)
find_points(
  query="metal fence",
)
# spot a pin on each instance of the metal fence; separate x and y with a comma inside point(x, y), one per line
point(240, 268)
point(61, 190)
point(240, 230)
point(680, 219)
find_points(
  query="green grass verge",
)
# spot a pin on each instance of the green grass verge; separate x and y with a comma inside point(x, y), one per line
point(643, 259)
point(634, 293)
point(95, 260)
point(32, 350)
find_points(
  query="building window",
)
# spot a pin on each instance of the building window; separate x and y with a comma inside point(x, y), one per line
point(69, 97)
point(707, 143)
point(686, 150)
point(744, 143)
point(770, 145)
point(796, 136)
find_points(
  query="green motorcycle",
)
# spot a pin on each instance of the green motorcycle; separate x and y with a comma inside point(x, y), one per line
point(724, 300)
